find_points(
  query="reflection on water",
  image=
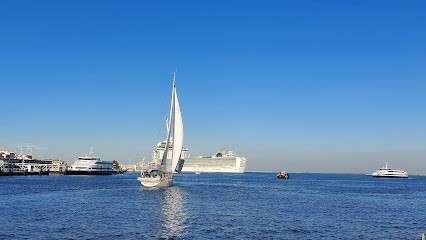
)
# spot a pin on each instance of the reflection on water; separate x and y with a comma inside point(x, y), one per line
point(167, 214)
point(173, 213)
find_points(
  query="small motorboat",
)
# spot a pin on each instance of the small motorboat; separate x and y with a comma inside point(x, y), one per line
point(283, 175)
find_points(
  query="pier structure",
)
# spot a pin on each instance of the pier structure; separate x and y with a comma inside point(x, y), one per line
point(24, 164)
point(5, 166)
point(38, 167)
point(132, 168)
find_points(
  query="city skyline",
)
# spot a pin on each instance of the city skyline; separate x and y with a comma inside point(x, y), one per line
point(304, 86)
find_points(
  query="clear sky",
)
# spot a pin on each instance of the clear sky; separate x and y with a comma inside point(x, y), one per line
point(306, 86)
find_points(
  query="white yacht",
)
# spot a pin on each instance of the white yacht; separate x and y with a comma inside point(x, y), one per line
point(387, 172)
point(90, 165)
point(167, 160)
point(221, 162)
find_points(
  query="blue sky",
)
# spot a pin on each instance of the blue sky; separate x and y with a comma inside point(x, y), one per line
point(318, 86)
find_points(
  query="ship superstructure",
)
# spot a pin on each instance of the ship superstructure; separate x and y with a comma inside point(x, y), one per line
point(158, 151)
point(221, 162)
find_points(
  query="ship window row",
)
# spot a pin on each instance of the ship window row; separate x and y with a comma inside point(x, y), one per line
point(213, 161)
point(210, 165)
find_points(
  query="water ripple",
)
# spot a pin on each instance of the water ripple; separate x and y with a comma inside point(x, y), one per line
point(206, 206)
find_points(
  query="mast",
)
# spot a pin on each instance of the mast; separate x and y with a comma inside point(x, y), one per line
point(91, 151)
point(173, 96)
point(167, 124)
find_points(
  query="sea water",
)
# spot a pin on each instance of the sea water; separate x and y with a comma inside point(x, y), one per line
point(213, 206)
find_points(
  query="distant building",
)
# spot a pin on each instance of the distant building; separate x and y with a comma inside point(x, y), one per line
point(24, 156)
point(132, 168)
point(7, 154)
point(13, 163)
point(5, 157)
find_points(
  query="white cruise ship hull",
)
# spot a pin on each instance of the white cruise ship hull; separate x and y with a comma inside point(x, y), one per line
point(211, 170)
point(219, 164)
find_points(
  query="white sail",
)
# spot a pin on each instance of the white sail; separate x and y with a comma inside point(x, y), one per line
point(177, 135)
point(171, 121)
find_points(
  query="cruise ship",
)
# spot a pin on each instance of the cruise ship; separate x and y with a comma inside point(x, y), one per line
point(221, 162)
point(158, 151)
point(89, 165)
point(387, 172)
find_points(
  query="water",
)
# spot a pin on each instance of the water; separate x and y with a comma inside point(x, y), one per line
point(207, 206)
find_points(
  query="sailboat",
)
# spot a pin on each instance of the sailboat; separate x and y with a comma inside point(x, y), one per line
point(161, 173)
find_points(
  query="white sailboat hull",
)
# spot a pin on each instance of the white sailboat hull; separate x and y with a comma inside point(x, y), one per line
point(155, 182)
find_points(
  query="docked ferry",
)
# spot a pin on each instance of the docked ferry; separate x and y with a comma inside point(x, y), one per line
point(221, 162)
point(90, 165)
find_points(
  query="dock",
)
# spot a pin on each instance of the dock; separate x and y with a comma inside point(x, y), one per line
point(10, 167)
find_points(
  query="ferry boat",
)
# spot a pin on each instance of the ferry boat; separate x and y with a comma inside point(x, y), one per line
point(221, 162)
point(387, 172)
point(90, 165)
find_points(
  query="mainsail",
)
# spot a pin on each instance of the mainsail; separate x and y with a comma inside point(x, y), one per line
point(177, 136)
point(175, 122)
